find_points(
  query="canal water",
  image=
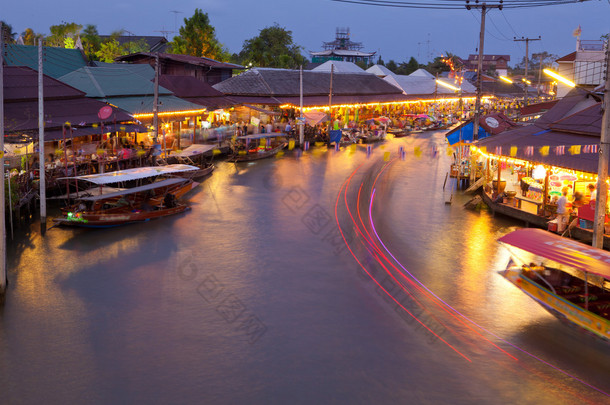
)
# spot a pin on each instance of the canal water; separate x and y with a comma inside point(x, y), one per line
point(271, 290)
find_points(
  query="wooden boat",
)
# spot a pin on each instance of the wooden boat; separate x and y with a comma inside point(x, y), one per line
point(371, 137)
point(136, 204)
point(264, 146)
point(194, 155)
point(99, 184)
point(572, 280)
point(204, 170)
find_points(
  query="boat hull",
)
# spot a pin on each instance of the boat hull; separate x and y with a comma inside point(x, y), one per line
point(117, 218)
point(248, 157)
point(561, 308)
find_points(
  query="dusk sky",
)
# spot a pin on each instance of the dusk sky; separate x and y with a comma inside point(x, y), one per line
point(394, 33)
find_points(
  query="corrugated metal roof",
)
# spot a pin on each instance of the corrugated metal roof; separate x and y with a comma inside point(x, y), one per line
point(57, 61)
point(421, 85)
point(380, 70)
point(191, 89)
point(284, 82)
point(102, 82)
point(144, 104)
point(560, 126)
point(62, 103)
point(339, 67)
point(141, 69)
point(187, 59)
point(21, 83)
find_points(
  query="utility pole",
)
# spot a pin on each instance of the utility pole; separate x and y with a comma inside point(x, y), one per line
point(477, 105)
point(602, 166)
point(156, 103)
point(3, 277)
point(42, 191)
point(527, 56)
point(330, 100)
point(301, 118)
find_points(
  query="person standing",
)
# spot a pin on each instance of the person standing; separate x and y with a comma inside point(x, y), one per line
point(592, 191)
point(562, 210)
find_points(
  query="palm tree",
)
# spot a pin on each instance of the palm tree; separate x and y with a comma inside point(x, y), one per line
point(8, 36)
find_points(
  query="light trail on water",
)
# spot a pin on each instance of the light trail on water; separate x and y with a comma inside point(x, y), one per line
point(448, 306)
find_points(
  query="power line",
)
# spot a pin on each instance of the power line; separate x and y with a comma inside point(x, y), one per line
point(459, 4)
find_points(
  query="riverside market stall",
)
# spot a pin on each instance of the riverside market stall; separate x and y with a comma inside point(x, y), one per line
point(536, 162)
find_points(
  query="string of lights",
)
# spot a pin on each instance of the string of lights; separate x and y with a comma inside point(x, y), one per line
point(460, 4)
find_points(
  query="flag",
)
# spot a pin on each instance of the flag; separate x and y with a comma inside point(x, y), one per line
point(498, 150)
point(589, 149)
point(544, 151)
point(560, 150)
point(513, 151)
point(575, 150)
point(529, 151)
point(577, 31)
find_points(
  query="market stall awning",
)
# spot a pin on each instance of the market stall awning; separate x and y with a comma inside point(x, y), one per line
point(57, 133)
point(464, 133)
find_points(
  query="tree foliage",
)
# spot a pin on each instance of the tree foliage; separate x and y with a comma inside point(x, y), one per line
point(546, 58)
point(273, 47)
point(8, 36)
point(29, 37)
point(109, 50)
point(91, 41)
point(198, 38)
point(62, 31)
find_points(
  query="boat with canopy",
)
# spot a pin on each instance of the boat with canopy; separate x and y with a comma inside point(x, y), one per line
point(137, 204)
point(98, 184)
point(257, 146)
point(145, 193)
point(569, 279)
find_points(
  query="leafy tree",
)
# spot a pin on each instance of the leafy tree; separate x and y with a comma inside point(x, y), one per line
point(409, 67)
point(62, 31)
point(30, 37)
point(109, 50)
point(440, 64)
point(198, 38)
point(135, 46)
point(8, 36)
point(91, 41)
point(547, 59)
point(273, 47)
point(392, 66)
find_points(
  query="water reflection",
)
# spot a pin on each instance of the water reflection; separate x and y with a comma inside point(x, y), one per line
point(155, 311)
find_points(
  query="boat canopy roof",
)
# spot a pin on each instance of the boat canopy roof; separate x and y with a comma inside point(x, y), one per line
point(194, 150)
point(133, 174)
point(139, 189)
point(265, 135)
point(564, 251)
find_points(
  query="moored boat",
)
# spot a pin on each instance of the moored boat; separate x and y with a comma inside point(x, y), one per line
point(264, 146)
point(571, 281)
point(137, 204)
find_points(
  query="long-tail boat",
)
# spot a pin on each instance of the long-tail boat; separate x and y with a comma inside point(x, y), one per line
point(569, 279)
point(257, 146)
